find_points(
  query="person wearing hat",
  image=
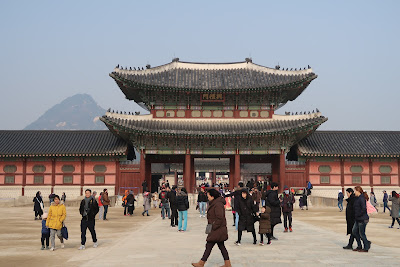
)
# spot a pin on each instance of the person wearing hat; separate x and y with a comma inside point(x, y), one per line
point(45, 232)
point(202, 201)
point(287, 202)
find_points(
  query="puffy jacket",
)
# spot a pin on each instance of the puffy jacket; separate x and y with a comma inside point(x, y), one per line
point(92, 211)
point(265, 221)
point(182, 201)
point(172, 199)
point(272, 201)
point(57, 214)
point(287, 202)
point(360, 209)
point(246, 210)
point(216, 217)
point(45, 230)
point(202, 197)
point(106, 200)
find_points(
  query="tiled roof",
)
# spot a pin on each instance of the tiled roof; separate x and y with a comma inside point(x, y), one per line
point(203, 76)
point(211, 127)
point(60, 143)
point(351, 143)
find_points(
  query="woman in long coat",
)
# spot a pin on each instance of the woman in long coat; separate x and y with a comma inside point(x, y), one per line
point(247, 211)
point(350, 220)
point(146, 203)
point(38, 205)
point(395, 208)
point(272, 201)
point(219, 231)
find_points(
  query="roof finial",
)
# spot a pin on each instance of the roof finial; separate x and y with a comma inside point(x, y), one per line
point(109, 109)
point(148, 66)
point(248, 60)
point(277, 67)
point(175, 59)
point(130, 68)
point(309, 67)
point(117, 66)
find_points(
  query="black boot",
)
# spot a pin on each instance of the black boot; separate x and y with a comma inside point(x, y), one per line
point(348, 247)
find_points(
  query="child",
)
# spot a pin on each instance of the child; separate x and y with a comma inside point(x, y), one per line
point(45, 232)
point(155, 199)
point(265, 225)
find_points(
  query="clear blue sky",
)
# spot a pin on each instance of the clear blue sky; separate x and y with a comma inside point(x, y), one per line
point(51, 50)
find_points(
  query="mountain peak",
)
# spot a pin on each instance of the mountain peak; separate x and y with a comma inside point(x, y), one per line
point(77, 112)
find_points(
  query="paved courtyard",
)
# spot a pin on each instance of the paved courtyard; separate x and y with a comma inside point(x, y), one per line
point(317, 240)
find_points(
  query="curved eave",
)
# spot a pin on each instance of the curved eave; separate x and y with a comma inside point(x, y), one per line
point(312, 155)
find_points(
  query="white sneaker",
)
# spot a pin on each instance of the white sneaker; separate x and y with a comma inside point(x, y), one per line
point(95, 245)
point(52, 249)
point(62, 245)
point(201, 215)
point(82, 247)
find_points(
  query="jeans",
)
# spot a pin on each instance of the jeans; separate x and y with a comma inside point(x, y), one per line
point(202, 208)
point(165, 207)
point(174, 216)
point(263, 202)
point(359, 234)
point(385, 206)
point(182, 216)
point(209, 247)
point(287, 216)
point(237, 220)
point(45, 237)
point(84, 225)
point(53, 233)
point(105, 212)
point(101, 212)
point(340, 205)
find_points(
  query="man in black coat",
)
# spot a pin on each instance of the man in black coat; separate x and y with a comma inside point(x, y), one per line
point(272, 201)
point(88, 209)
point(350, 216)
point(173, 206)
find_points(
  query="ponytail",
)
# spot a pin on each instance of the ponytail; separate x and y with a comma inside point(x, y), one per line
point(366, 196)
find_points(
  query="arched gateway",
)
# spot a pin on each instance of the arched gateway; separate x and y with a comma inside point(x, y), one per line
point(222, 110)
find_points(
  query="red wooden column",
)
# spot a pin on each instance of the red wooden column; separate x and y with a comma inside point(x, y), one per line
point(186, 171)
point(148, 174)
point(142, 167)
point(176, 177)
point(371, 176)
point(307, 169)
point(214, 177)
point(342, 174)
point(398, 171)
point(23, 176)
point(282, 171)
point(82, 174)
point(53, 174)
point(117, 176)
point(275, 169)
point(231, 173)
point(192, 176)
point(237, 169)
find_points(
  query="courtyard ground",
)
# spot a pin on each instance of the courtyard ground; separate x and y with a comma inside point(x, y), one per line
point(317, 240)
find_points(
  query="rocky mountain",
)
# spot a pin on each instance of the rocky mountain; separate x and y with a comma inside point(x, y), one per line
point(78, 112)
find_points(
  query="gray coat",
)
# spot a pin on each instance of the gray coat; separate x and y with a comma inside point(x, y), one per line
point(373, 201)
point(147, 202)
point(395, 207)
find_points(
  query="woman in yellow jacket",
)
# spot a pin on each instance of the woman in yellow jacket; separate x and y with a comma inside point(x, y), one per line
point(55, 218)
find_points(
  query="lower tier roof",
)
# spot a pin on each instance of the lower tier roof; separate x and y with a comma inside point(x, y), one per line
point(351, 144)
point(60, 143)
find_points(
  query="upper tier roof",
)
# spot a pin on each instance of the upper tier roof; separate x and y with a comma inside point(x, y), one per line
point(212, 76)
point(60, 143)
point(351, 144)
point(280, 124)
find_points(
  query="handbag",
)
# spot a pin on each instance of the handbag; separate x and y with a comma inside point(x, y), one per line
point(64, 232)
point(209, 228)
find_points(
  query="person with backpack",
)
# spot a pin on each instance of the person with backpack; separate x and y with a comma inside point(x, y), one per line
point(164, 203)
point(287, 203)
point(88, 209)
point(340, 200)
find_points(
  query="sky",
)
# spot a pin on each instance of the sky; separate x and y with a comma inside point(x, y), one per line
point(50, 50)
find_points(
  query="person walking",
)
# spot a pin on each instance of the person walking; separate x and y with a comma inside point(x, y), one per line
point(395, 208)
point(88, 209)
point(63, 197)
point(55, 218)
point(146, 203)
point(265, 225)
point(287, 202)
point(361, 220)
point(130, 203)
point(173, 206)
point(340, 200)
point(350, 220)
point(219, 231)
point(247, 211)
point(372, 200)
point(236, 194)
point(124, 201)
point(183, 206)
point(45, 233)
point(165, 209)
point(38, 205)
point(106, 203)
point(385, 201)
point(101, 207)
point(155, 199)
point(202, 201)
point(272, 201)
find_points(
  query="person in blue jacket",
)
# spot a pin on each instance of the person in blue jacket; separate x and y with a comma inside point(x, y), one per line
point(45, 232)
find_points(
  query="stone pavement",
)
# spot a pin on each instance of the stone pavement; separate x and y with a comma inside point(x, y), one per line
point(158, 244)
